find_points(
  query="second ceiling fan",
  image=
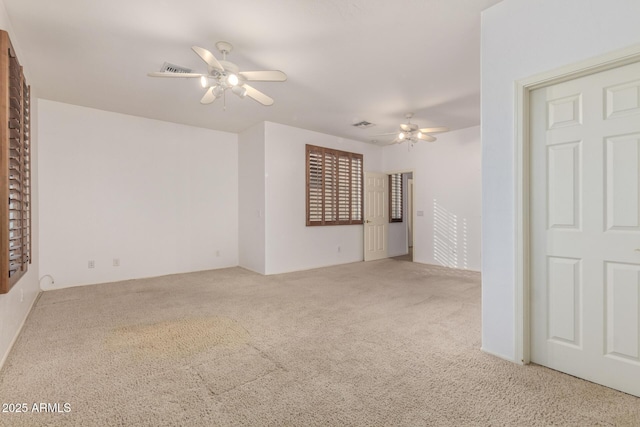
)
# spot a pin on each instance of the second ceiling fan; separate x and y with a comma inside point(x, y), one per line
point(222, 75)
point(413, 133)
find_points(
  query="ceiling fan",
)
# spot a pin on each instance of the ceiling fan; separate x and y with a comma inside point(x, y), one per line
point(222, 75)
point(412, 133)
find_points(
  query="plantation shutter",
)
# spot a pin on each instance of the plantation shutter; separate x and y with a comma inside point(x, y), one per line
point(315, 189)
point(395, 197)
point(330, 167)
point(344, 188)
point(15, 183)
point(334, 187)
point(357, 199)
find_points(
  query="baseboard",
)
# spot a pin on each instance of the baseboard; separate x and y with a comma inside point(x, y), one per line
point(444, 266)
point(19, 331)
point(501, 356)
point(271, 273)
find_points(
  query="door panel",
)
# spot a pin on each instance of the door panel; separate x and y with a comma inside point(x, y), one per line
point(623, 99)
point(565, 292)
point(623, 291)
point(622, 182)
point(564, 185)
point(585, 227)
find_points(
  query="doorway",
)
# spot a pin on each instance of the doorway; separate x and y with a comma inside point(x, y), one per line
point(401, 225)
point(388, 216)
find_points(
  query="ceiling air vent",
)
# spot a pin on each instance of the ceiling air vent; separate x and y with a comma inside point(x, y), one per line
point(171, 68)
point(363, 124)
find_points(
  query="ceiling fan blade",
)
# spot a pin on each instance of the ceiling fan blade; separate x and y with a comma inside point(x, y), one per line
point(385, 134)
point(257, 95)
point(427, 138)
point(178, 75)
point(207, 57)
point(434, 130)
point(408, 127)
point(264, 76)
point(208, 97)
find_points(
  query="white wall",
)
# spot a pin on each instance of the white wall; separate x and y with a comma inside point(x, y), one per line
point(251, 163)
point(521, 38)
point(15, 305)
point(160, 197)
point(447, 190)
point(290, 244)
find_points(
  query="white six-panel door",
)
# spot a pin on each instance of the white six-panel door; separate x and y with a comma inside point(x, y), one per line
point(585, 227)
point(376, 215)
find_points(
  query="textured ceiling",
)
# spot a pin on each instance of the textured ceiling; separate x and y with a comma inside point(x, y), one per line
point(346, 60)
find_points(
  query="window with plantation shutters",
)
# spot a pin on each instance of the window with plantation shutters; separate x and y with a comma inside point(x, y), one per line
point(334, 186)
point(15, 162)
point(395, 197)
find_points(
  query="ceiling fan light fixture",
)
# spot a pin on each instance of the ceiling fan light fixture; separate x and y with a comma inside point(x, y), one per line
point(401, 136)
point(240, 91)
point(232, 79)
point(218, 90)
point(204, 81)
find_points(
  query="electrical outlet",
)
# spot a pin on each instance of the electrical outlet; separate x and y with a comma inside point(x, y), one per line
point(92, 264)
point(339, 248)
point(116, 262)
point(217, 253)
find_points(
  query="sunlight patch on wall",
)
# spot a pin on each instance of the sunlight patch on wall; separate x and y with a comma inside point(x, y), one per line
point(449, 238)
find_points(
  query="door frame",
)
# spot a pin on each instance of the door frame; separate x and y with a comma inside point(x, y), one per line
point(522, 157)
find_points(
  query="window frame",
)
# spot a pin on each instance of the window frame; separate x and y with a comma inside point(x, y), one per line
point(393, 197)
point(319, 206)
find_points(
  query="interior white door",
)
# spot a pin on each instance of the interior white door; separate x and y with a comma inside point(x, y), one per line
point(376, 215)
point(585, 227)
point(409, 214)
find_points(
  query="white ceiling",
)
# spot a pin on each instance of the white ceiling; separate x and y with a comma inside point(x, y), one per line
point(347, 60)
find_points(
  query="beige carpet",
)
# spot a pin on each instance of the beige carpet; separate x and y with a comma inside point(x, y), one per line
point(387, 343)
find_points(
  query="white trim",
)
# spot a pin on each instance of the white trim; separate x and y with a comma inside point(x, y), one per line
point(499, 356)
point(521, 153)
point(19, 331)
point(521, 314)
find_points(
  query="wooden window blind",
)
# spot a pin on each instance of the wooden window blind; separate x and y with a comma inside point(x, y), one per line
point(15, 162)
point(395, 197)
point(334, 186)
